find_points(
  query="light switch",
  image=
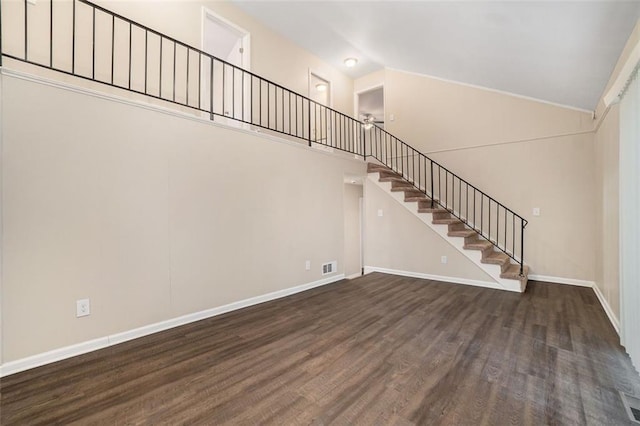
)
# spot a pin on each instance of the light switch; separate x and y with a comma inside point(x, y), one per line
point(379, 212)
point(536, 211)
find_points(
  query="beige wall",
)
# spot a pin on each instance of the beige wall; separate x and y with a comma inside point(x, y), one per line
point(607, 176)
point(434, 115)
point(522, 152)
point(352, 236)
point(149, 215)
point(607, 262)
point(399, 240)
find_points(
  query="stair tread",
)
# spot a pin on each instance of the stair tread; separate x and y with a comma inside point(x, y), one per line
point(513, 272)
point(390, 178)
point(478, 245)
point(496, 257)
point(447, 221)
point(462, 233)
point(430, 210)
point(373, 167)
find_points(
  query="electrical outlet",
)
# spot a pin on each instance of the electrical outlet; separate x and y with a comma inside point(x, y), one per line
point(83, 308)
point(379, 212)
point(536, 211)
point(307, 265)
point(443, 259)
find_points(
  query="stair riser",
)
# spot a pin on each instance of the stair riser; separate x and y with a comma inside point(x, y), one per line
point(472, 239)
point(443, 215)
point(457, 227)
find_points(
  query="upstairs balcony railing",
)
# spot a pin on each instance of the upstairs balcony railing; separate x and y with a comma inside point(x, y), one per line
point(87, 41)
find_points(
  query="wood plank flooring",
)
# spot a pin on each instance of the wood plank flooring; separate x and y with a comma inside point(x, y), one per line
point(379, 349)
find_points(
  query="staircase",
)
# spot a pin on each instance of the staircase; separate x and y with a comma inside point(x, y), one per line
point(465, 238)
point(481, 227)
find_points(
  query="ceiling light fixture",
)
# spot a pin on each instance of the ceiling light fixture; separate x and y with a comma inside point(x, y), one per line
point(321, 87)
point(368, 121)
point(350, 62)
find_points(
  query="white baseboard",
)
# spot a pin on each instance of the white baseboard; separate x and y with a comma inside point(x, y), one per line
point(114, 339)
point(561, 280)
point(352, 276)
point(607, 309)
point(453, 280)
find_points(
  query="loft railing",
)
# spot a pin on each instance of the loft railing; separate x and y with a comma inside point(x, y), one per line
point(84, 40)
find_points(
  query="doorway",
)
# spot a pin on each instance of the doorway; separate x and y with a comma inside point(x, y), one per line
point(229, 85)
point(370, 106)
point(353, 226)
point(320, 91)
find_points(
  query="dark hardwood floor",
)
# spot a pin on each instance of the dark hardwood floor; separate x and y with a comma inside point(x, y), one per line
point(379, 349)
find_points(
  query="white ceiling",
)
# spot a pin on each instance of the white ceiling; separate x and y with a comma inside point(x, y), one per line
point(561, 52)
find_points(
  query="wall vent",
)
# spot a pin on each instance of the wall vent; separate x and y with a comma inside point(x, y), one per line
point(632, 405)
point(329, 268)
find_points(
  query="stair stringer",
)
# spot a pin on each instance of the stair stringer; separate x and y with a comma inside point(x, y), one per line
point(474, 255)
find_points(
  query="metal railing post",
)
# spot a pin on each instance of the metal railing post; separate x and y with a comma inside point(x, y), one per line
point(309, 123)
point(364, 142)
point(1, 52)
point(521, 246)
point(432, 194)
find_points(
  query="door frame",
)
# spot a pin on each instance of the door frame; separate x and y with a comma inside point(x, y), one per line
point(356, 100)
point(246, 38)
point(208, 14)
point(321, 76)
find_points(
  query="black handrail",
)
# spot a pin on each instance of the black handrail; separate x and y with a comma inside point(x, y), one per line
point(227, 91)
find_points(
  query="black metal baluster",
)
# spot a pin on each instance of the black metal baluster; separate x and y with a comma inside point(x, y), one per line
point(481, 213)
point(50, 34)
point(146, 60)
point(446, 189)
point(130, 55)
point(289, 94)
point(466, 201)
point(242, 95)
point(260, 99)
point(513, 234)
point(211, 89)
point(113, 45)
point(309, 121)
point(73, 40)
point(505, 228)
point(160, 66)
point(489, 216)
point(199, 80)
point(26, 29)
point(93, 45)
point(459, 197)
point(521, 246)
point(453, 193)
point(188, 61)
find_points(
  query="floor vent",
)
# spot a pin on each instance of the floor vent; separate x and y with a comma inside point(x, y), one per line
point(329, 268)
point(632, 405)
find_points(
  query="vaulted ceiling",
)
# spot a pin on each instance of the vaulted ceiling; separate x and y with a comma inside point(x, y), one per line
point(561, 52)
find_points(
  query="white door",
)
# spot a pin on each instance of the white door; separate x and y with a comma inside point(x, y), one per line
point(224, 79)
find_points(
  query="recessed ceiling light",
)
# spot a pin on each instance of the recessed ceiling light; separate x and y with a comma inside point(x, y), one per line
point(350, 62)
point(321, 87)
